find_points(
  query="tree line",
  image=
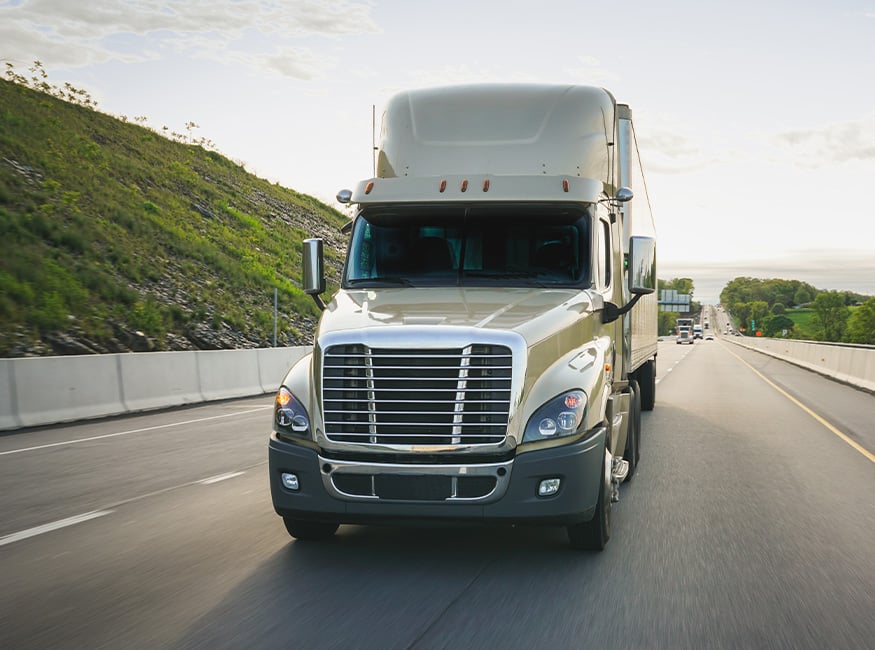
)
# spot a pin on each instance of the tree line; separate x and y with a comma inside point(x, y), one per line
point(763, 305)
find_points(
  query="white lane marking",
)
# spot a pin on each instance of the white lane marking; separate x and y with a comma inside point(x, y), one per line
point(219, 477)
point(125, 433)
point(45, 528)
point(55, 525)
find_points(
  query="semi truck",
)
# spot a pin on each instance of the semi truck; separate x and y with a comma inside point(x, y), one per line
point(493, 339)
point(684, 324)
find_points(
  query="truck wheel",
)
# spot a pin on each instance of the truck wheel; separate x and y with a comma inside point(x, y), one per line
point(594, 534)
point(632, 453)
point(315, 530)
point(646, 376)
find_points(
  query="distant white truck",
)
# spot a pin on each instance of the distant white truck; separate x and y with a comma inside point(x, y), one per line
point(494, 337)
point(697, 331)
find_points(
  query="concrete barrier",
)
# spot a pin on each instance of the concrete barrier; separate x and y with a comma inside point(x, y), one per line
point(228, 373)
point(63, 389)
point(159, 379)
point(851, 364)
point(8, 400)
point(273, 364)
point(40, 391)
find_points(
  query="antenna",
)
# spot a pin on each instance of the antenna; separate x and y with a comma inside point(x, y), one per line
point(374, 137)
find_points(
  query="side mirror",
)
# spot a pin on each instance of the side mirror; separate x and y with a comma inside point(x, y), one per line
point(314, 271)
point(623, 195)
point(642, 276)
point(642, 265)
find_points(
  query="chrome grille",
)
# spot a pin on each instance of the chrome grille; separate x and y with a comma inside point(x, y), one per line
point(416, 397)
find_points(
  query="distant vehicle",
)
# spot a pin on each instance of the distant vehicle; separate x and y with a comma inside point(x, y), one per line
point(685, 336)
point(709, 337)
point(684, 324)
point(697, 331)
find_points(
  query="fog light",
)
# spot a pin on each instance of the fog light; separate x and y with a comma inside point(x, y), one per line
point(290, 481)
point(548, 487)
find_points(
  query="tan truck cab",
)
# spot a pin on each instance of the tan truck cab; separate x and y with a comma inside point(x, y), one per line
point(493, 340)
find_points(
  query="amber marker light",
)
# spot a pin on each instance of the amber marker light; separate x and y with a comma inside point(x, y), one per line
point(486, 185)
point(465, 185)
point(442, 186)
point(565, 184)
point(369, 187)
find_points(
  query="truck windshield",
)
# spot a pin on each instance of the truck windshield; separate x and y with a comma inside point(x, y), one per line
point(521, 245)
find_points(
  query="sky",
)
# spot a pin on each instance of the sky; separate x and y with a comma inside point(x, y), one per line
point(755, 119)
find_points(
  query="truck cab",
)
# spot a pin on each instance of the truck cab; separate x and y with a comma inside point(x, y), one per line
point(492, 342)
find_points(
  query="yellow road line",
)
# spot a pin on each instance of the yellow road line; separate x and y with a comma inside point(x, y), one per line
point(868, 454)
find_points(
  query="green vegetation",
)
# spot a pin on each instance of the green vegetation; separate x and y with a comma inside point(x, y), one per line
point(773, 306)
point(109, 230)
point(667, 320)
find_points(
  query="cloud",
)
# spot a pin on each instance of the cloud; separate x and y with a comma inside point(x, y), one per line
point(299, 63)
point(840, 270)
point(668, 152)
point(839, 142)
point(61, 32)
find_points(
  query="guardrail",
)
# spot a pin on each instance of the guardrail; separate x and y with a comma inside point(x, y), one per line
point(38, 391)
point(848, 363)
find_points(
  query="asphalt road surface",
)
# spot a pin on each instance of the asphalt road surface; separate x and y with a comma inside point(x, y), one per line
point(749, 524)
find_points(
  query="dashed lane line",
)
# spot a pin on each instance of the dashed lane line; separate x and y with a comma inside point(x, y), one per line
point(55, 525)
point(219, 477)
point(70, 521)
point(126, 433)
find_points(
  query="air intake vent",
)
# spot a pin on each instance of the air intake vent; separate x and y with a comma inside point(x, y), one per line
point(417, 397)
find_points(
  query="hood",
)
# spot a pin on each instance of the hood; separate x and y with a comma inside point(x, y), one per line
point(533, 313)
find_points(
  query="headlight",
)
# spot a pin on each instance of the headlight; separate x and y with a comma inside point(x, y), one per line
point(561, 416)
point(289, 414)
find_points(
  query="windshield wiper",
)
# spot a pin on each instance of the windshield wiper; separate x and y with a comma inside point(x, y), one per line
point(499, 275)
point(377, 282)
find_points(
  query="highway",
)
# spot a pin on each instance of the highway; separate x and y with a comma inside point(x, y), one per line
point(749, 524)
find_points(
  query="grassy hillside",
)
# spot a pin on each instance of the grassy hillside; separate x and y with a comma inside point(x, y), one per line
point(114, 238)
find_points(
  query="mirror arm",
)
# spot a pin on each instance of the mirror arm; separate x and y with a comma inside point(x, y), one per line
point(611, 312)
point(318, 300)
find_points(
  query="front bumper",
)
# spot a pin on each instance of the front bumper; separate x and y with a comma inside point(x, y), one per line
point(331, 491)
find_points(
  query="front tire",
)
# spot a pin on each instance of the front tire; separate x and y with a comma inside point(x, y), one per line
point(594, 534)
point(309, 530)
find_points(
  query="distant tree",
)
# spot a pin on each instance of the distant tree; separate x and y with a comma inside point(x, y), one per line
point(852, 298)
point(778, 308)
point(771, 291)
point(861, 324)
point(802, 296)
point(830, 315)
point(666, 323)
point(736, 291)
point(759, 310)
point(775, 325)
point(741, 312)
point(683, 285)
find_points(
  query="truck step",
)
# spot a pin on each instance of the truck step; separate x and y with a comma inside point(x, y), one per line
point(619, 471)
